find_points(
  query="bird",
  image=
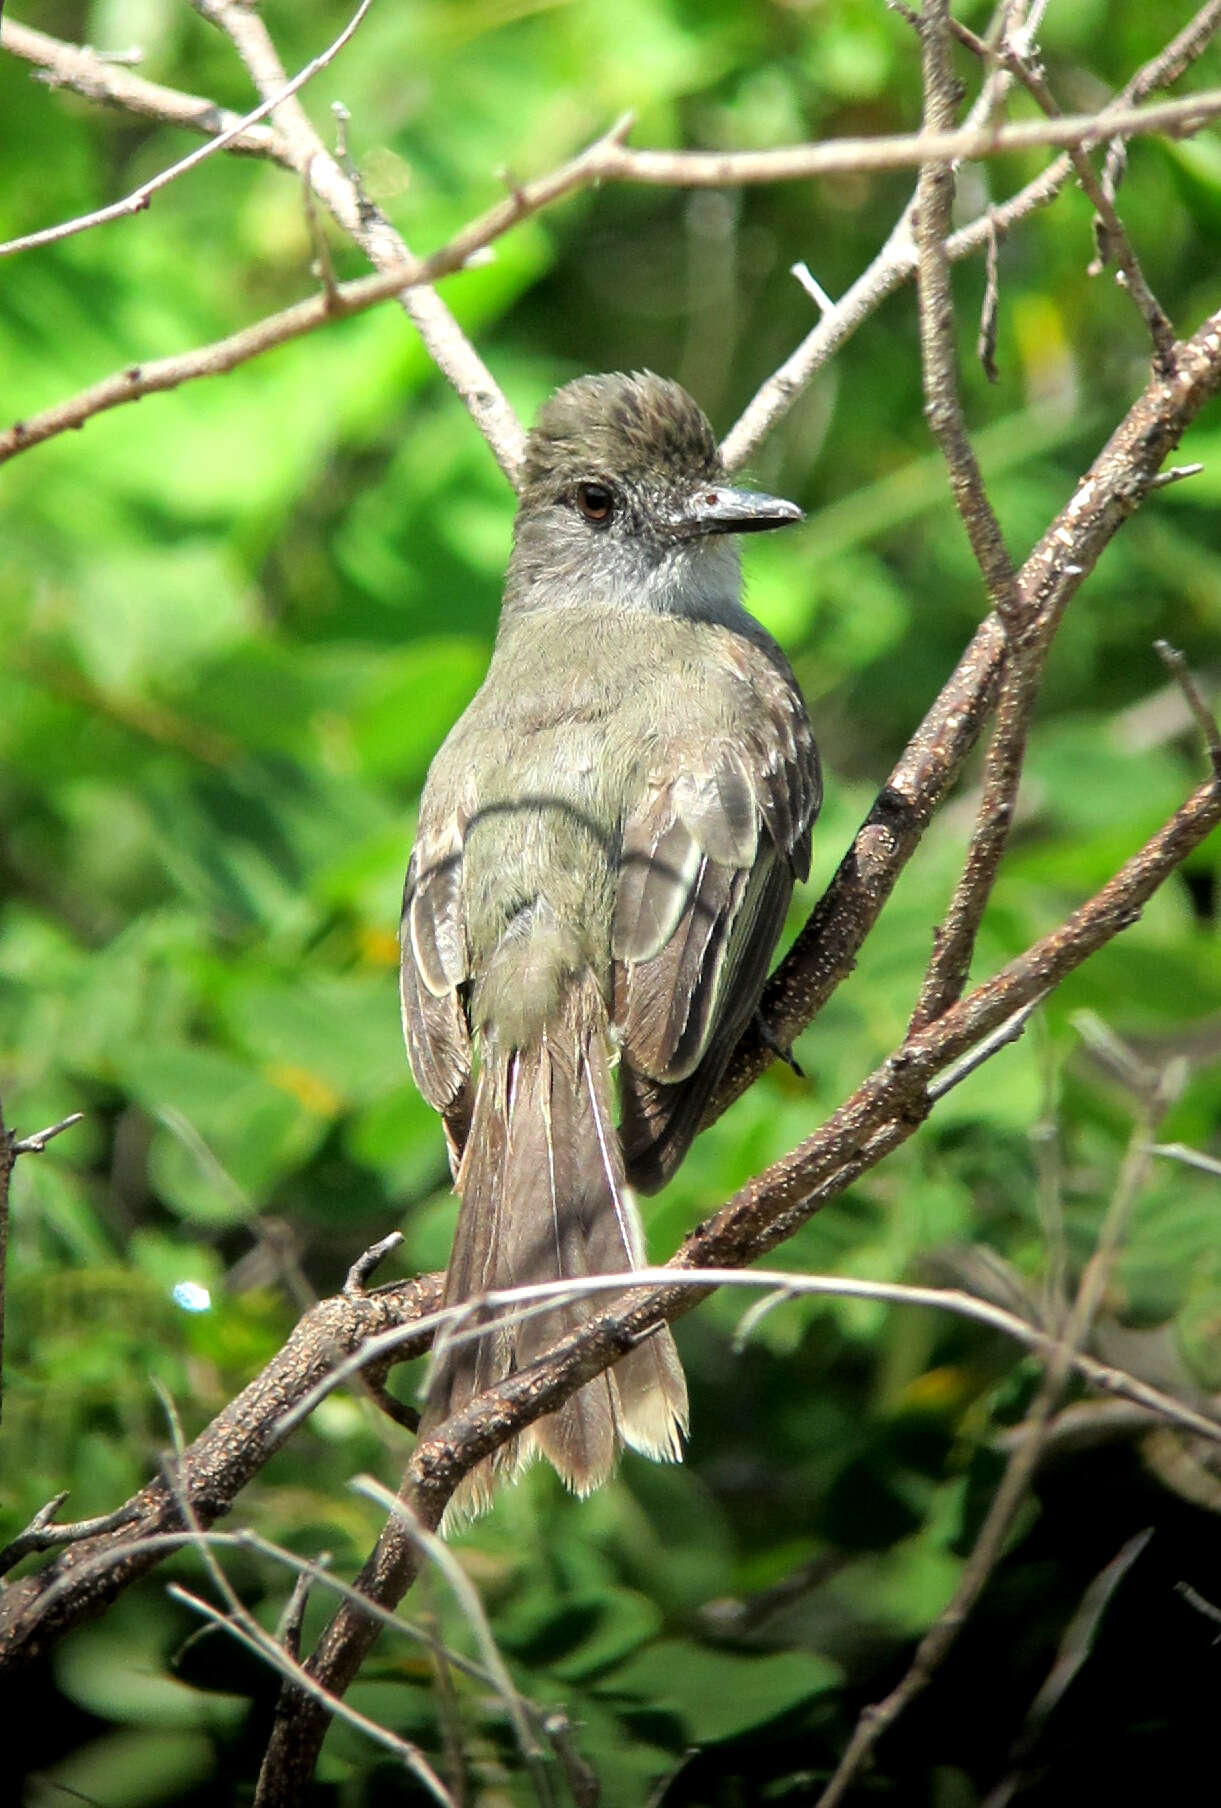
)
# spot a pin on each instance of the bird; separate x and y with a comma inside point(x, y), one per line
point(606, 848)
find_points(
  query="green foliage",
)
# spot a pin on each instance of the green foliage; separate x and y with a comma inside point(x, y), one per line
point(237, 622)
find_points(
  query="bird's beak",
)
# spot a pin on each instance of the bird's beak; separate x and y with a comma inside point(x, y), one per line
point(717, 509)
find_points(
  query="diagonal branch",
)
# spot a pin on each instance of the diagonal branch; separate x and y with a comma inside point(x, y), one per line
point(139, 199)
point(955, 941)
point(94, 1569)
point(446, 343)
point(895, 264)
point(1115, 485)
point(82, 70)
point(297, 145)
point(338, 302)
point(883, 1112)
point(942, 401)
point(1019, 1472)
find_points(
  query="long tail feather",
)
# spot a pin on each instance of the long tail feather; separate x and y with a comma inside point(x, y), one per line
point(544, 1198)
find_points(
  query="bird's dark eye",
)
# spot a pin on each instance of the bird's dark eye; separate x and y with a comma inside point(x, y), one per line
point(596, 502)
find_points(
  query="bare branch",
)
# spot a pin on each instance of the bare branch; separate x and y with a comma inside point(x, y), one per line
point(955, 940)
point(515, 1304)
point(1114, 244)
point(942, 402)
point(99, 79)
point(247, 1631)
point(140, 197)
point(989, 1546)
point(217, 1465)
point(1115, 485)
point(300, 147)
point(1203, 717)
point(303, 317)
point(883, 1112)
point(35, 1144)
point(895, 264)
point(865, 156)
point(447, 344)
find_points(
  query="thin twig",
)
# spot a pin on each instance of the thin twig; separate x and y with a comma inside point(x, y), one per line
point(249, 1633)
point(955, 941)
point(220, 1462)
point(446, 343)
point(1074, 1648)
point(511, 1305)
point(895, 264)
point(1114, 244)
point(990, 1542)
point(44, 1534)
point(97, 77)
point(1203, 717)
point(1007, 1032)
point(942, 401)
point(1190, 1158)
point(226, 354)
point(35, 1144)
point(764, 1213)
point(140, 197)
point(613, 161)
point(242, 1625)
point(467, 1597)
point(11, 1147)
point(1116, 483)
point(989, 309)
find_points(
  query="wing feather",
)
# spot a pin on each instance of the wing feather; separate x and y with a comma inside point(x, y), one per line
point(432, 973)
point(687, 977)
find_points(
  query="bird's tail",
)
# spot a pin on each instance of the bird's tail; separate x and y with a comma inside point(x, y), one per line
point(544, 1199)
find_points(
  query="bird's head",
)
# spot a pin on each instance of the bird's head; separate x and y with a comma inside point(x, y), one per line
point(624, 502)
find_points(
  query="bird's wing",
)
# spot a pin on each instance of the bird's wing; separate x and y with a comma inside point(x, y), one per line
point(434, 969)
point(708, 863)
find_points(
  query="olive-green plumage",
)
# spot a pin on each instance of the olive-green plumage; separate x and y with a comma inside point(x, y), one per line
point(607, 844)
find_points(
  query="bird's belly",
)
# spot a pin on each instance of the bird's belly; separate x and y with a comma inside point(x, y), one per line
point(542, 834)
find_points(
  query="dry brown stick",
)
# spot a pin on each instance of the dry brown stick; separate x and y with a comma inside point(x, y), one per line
point(883, 1112)
point(863, 156)
point(514, 1305)
point(82, 70)
point(446, 343)
point(226, 354)
point(140, 197)
point(1019, 1471)
point(825, 951)
point(800, 162)
point(942, 400)
point(895, 264)
point(88, 1575)
point(1114, 242)
point(281, 1653)
point(955, 940)
point(301, 149)
point(71, 1595)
